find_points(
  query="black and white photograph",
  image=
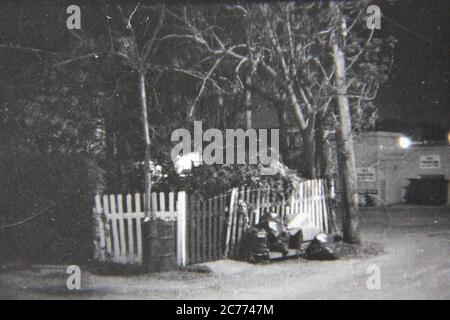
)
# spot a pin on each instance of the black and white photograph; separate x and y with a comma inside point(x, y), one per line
point(234, 151)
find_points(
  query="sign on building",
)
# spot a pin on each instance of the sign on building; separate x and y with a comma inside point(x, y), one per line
point(430, 162)
point(366, 174)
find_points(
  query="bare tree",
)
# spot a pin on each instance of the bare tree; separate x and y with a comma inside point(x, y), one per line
point(139, 58)
point(285, 52)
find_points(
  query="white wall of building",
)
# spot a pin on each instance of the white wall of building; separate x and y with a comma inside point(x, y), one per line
point(383, 167)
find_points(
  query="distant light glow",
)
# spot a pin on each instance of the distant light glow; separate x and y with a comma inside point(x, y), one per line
point(448, 137)
point(404, 142)
point(185, 162)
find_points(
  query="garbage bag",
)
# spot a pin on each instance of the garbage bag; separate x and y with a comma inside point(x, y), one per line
point(279, 244)
point(254, 246)
point(278, 237)
point(321, 248)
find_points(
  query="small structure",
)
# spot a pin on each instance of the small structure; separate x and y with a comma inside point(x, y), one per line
point(385, 162)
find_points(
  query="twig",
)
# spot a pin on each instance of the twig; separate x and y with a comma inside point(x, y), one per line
point(18, 223)
point(28, 49)
point(129, 26)
point(362, 50)
point(76, 58)
point(203, 85)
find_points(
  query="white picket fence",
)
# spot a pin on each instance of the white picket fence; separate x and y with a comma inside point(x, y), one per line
point(119, 220)
point(307, 207)
point(119, 235)
point(310, 199)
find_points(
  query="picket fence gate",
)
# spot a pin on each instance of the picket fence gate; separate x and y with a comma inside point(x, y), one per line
point(206, 230)
point(119, 234)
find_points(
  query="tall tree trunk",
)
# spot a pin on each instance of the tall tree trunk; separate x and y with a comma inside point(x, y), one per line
point(248, 105)
point(309, 148)
point(323, 151)
point(322, 148)
point(346, 156)
point(284, 152)
point(146, 129)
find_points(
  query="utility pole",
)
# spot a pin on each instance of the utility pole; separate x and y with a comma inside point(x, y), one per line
point(346, 155)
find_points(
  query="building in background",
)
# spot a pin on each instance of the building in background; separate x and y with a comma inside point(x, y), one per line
point(384, 163)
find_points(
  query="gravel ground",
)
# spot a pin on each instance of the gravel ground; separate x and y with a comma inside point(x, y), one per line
point(414, 263)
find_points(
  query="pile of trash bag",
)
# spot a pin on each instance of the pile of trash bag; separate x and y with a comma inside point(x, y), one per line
point(254, 246)
point(271, 234)
point(278, 237)
point(268, 235)
point(321, 248)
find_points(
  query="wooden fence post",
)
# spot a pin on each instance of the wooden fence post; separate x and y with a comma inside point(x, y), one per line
point(181, 229)
point(100, 240)
point(231, 212)
point(139, 239)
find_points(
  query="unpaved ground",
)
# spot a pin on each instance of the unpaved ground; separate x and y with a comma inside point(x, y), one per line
point(415, 265)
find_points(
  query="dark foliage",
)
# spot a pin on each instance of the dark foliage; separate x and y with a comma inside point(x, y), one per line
point(209, 181)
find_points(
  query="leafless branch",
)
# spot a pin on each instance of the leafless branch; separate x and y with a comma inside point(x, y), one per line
point(200, 76)
point(129, 25)
point(356, 57)
point(28, 49)
point(108, 27)
point(151, 43)
point(208, 75)
point(89, 55)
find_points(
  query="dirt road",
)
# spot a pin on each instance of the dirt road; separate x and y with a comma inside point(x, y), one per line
point(415, 265)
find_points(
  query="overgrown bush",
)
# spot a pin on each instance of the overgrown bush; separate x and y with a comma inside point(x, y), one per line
point(211, 180)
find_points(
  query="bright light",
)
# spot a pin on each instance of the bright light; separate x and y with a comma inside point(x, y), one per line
point(404, 142)
point(185, 162)
point(448, 137)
